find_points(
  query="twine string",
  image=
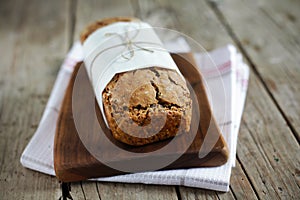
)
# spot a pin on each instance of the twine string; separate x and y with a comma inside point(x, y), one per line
point(129, 44)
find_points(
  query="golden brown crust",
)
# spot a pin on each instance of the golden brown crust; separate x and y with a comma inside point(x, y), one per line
point(145, 105)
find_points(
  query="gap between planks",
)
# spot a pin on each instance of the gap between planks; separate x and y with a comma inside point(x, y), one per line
point(213, 5)
point(138, 12)
point(238, 43)
point(234, 37)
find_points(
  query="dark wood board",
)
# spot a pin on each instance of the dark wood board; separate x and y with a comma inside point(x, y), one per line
point(74, 162)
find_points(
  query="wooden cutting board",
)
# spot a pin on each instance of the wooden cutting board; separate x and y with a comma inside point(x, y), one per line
point(74, 162)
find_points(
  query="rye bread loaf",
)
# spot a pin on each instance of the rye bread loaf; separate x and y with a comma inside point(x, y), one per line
point(144, 105)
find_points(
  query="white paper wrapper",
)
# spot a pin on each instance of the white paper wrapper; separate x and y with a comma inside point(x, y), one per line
point(121, 47)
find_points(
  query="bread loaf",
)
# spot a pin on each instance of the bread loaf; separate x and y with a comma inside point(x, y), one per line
point(144, 105)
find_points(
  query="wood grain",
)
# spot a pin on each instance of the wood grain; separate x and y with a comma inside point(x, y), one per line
point(85, 190)
point(186, 18)
point(195, 19)
point(272, 49)
point(42, 31)
point(194, 193)
point(92, 10)
point(267, 149)
point(240, 184)
point(214, 26)
point(27, 73)
point(274, 141)
point(136, 191)
point(285, 15)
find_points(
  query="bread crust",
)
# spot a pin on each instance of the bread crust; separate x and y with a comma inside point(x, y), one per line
point(144, 105)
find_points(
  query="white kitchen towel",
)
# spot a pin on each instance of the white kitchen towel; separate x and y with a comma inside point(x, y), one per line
point(38, 154)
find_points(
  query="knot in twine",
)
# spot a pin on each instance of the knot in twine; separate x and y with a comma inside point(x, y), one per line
point(129, 43)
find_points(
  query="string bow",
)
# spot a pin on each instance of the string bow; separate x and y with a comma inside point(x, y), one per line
point(129, 43)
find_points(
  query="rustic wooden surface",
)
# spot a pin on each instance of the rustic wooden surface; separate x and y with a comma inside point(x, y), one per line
point(35, 35)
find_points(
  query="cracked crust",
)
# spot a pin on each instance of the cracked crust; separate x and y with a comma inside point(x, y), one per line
point(145, 105)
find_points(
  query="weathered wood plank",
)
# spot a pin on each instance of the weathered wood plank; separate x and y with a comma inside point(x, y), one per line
point(273, 47)
point(274, 124)
point(272, 167)
point(267, 150)
point(135, 191)
point(185, 17)
point(87, 12)
point(286, 169)
point(77, 191)
point(33, 35)
point(91, 190)
point(285, 15)
point(240, 185)
point(195, 193)
point(86, 190)
point(189, 18)
point(92, 10)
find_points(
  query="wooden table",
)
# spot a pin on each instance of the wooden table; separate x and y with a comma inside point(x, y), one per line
point(35, 35)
